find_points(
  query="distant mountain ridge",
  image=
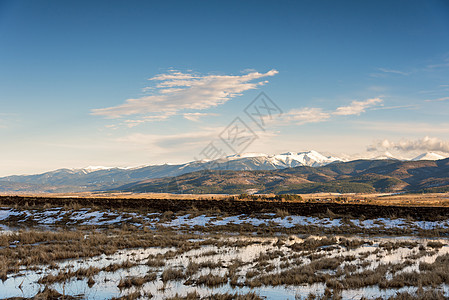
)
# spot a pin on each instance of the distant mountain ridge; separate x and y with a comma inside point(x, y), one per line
point(106, 178)
point(99, 177)
point(359, 176)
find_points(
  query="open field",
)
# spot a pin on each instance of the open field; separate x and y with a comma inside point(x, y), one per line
point(427, 199)
point(135, 248)
point(419, 207)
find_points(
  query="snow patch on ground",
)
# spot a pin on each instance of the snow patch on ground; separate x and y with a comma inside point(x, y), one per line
point(91, 217)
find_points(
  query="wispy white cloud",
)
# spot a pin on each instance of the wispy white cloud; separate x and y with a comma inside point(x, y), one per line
point(357, 107)
point(176, 91)
point(423, 144)
point(305, 115)
point(111, 126)
point(314, 115)
point(410, 106)
point(438, 99)
point(441, 65)
point(196, 116)
point(385, 70)
point(146, 119)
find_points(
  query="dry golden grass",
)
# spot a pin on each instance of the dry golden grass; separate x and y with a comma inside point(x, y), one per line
point(31, 248)
point(430, 199)
point(195, 295)
point(120, 195)
point(283, 262)
point(136, 281)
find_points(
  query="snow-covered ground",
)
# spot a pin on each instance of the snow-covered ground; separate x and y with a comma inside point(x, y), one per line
point(70, 217)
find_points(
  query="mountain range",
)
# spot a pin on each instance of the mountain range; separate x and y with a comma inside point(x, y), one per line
point(359, 176)
point(104, 178)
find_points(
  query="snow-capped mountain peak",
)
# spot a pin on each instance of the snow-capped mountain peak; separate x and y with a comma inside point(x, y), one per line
point(285, 160)
point(309, 158)
point(96, 168)
point(245, 155)
point(429, 156)
point(386, 155)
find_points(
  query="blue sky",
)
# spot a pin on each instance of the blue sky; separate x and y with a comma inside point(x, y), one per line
point(349, 76)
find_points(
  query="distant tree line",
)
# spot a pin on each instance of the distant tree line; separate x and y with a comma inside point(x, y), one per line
point(283, 197)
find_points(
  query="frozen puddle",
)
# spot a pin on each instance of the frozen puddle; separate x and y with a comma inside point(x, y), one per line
point(236, 265)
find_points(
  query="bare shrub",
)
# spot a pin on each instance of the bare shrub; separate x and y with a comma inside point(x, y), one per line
point(172, 274)
point(435, 244)
point(282, 213)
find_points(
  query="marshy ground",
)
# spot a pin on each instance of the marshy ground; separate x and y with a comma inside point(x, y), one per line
point(67, 250)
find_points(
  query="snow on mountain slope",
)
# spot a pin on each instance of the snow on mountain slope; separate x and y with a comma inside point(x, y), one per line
point(430, 156)
point(284, 160)
point(386, 155)
point(309, 158)
point(96, 168)
point(90, 169)
point(245, 155)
